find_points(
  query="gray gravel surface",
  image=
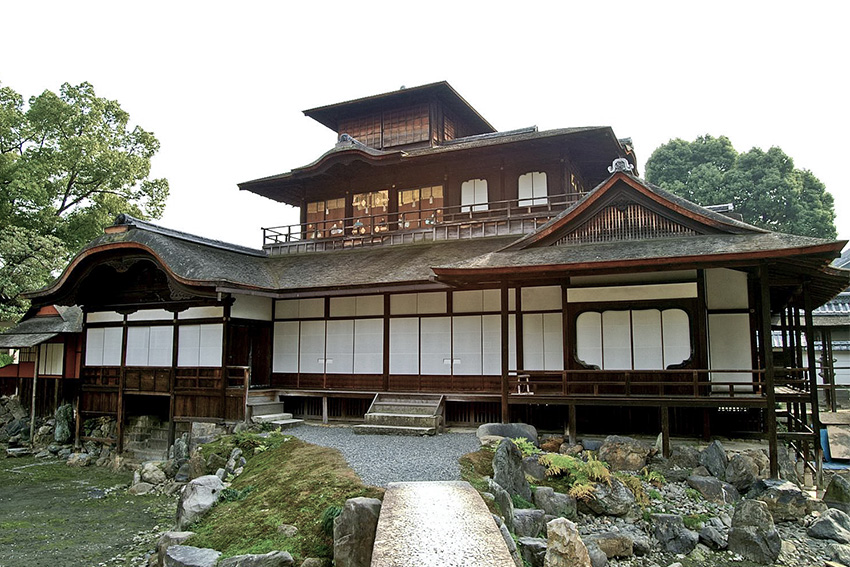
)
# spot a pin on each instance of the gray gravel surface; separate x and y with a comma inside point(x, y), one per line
point(381, 459)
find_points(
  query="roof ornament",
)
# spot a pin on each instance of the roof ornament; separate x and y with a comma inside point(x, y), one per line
point(621, 164)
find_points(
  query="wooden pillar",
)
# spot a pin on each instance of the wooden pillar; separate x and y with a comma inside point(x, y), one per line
point(505, 335)
point(121, 376)
point(172, 379)
point(225, 348)
point(385, 379)
point(767, 358)
point(571, 430)
point(813, 382)
point(34, 389)
point(324, 409)
point(665, 432)
point(78, 423)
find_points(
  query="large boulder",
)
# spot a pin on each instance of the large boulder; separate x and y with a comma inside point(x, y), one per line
point(613, 499)
point(839, 552)
point(529, 522)
point(152, 474)
point(271, 559)
point(641, 543)
point(64, 416)
point(671, 533)
point(785, 501)
point(613, 544)
point(532, 550)
point(555, 503)
point(504, 502)
point(507, 470)
point(532, 468)
point(168, 539)
point(79, 460)
point(837, 493)
point(624, 453)
point(713, 538)
point(753, 534)
point(597, 556)
point(354, 532)
point(832, 524)
point(509, 541)
point(188, 556)
point(684, 457)
point(509, 430)
point(197, 498)
point(713, 489)
point(741, 472)
point(564, 546)
point(714, 459)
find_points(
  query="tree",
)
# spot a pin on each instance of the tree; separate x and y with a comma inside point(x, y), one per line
point(69, 163)
point(764, 187)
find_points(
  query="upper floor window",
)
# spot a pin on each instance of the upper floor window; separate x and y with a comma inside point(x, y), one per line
point(370, 212)
point(532, 189)
point(473, 195)
point(420, 207)
point(325, 218)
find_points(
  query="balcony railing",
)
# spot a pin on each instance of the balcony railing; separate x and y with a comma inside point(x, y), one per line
point(495, 218)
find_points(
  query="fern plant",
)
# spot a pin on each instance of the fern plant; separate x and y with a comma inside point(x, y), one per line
point(526, 447)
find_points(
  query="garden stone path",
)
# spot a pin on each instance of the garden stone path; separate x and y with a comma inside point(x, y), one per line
point(437, 523)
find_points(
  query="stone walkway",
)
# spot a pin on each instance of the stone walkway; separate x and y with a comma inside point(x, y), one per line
point(437, 523)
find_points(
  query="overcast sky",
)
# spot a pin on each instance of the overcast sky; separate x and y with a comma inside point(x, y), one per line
point(222, 86)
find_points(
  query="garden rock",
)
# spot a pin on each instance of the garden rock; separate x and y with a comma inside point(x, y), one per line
point(507, 470)
point(837, 493)
point(180, 450)
point(491, 441)
point(624, 453)
point(287, 530)
point(271, 559)
point(215, 462)
point(613, 544)
point(64, 418)
point(684, 457)
point(641, 543)
point(555, 503)
point(714, 459)
point(564, 546)
point(787, 462)
point(504, 502)
point(832, 524)
point(532, 467)
point(152, 474)
point(79, 460)
point(509, 430)
point(761, 460)
point(591, 444)
point(529, 523)
point(188, 556)
point(532, 550)
point(613, 500)
point(714, 490)
point(753, 534)
point(839, 552)
point(597, 556)
point(140, 488)
point(354, 532)
point(168, 539)
point(315, 562)
point(197, 498)
point(741, 472)
point(713, 538)
point(509, 542)
point(671, 533)
point(784, 500)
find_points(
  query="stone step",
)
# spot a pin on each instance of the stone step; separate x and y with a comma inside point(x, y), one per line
point(286, 423)
point(459, 527)
point(265, 408)
point(409, 419)
point(396, 407)
point(393, 430)
point(272, 417)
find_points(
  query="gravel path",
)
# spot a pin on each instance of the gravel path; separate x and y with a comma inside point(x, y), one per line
point(381, 459)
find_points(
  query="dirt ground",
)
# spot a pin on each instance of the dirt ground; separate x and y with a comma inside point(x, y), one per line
point(53, 515)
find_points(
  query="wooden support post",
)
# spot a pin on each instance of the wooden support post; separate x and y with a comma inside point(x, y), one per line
point(571, 432)
point(706, 425)
point(121, 380)
point(324, 409)
point(767, 358)
point(505, 334)
point(813, 382)
point(78, 423)
point(665, 432)
point(34, 390)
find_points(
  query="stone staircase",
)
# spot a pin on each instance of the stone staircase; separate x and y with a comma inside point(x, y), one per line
point(404, 414)
point(265, 409)
point(147, 438)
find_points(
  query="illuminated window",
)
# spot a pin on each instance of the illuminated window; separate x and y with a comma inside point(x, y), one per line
point(370, 212)
point(532, 189)
point(325, 218)
point(473, 195)
point(420, 207)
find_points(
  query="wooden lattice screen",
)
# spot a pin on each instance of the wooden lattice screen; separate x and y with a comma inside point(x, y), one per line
point(625, 222)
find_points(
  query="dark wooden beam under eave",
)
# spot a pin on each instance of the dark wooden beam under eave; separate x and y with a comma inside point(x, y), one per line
point(767, 358)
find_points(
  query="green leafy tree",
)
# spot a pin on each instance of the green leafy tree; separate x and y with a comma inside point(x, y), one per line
point(764, 187)
point(69, 163)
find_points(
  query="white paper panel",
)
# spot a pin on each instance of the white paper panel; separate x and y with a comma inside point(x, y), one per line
point(160, 352)
point(434, 302)
point(211, 345)
point(369, 346)
point(473, 192)
point(286, 335)
point(532, 189)
point(632, 292)
point(646, 339)
point(492, 299)
point(286, 309)
point(201, 313)
point(541, 298)
point(94, 347)
point(312, 347)
point(252, 307)
point(404, 346)
point(138, 339)
point(188, 344)
point(729, 348)
point(311, 308)
point(677, 336)
point(343, 306)
point(466, 345)
point(151, 315)
point(369, 305)
point(403, 304)
point(532, 342)
point(726, 289)
point(616, 337)
point(589, 338)
point(512, 342)
point(112, 342)
point(491, 343)
point(339, 351)
point(50, 359)
point(471, 301)
point(435, 345)
point(104, 317)
point(553, 342)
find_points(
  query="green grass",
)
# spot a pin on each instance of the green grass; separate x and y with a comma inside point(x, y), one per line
point(288, 482)
point(695, 521)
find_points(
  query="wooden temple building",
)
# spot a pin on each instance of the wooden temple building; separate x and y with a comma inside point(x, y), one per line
point(524, 275)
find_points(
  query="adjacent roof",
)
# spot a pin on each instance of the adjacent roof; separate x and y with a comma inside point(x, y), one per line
point(38, 329)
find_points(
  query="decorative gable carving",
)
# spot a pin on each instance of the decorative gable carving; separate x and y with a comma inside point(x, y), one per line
point(624, 220)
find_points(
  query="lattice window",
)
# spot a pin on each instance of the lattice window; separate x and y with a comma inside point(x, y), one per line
point(364, 129)
point(406, 126)
point(625, 222)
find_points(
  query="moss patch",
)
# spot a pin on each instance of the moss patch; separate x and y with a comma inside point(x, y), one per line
point(475, 466)
point(291, 482)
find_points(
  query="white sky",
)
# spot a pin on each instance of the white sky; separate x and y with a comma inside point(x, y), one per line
point(223, 85)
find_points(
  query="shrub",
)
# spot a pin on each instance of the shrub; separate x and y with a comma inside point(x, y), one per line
point(235, 494)
point(693, 494)
point(695, 521)
point(520, 502)
point(576, 470)
point(655, 495)
point(326, 520)
point(634, 484)
point(654, 478)
point(526, 447)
